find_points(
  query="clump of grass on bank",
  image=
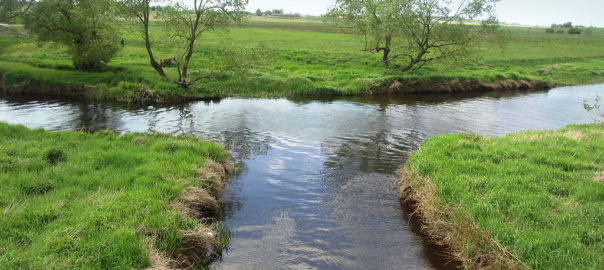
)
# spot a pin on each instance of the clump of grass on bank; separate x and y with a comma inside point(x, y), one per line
point(532, 199)
point(300, 57)
point(72, 200)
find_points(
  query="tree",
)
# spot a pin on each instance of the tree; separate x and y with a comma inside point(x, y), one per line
point(377, 21)
point(420, 30)
point(258, 12)
point(86, 27)
point(574, 31)
point(186, 24)
point(10, 9)
point(140, 10)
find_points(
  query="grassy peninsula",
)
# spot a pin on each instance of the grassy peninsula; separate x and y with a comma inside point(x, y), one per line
point(297, 57)
point(73, 200)
point(528, 200)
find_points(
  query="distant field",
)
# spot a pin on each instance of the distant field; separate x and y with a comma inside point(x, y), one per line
point(305, 57)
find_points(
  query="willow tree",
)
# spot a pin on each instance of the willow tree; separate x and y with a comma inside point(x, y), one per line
point(10, 9)
point(420, 31)
point(86, 27)
point(377, 21)
point(187, 24)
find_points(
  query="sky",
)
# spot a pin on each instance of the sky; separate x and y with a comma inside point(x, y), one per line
point(525, 12)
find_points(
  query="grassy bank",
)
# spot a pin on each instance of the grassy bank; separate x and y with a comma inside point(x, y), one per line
point(297, 57)
point(72, 200)
point(532, 199)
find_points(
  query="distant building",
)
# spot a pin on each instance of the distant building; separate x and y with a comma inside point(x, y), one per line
point(285, 15)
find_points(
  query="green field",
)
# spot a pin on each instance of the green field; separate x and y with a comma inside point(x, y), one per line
point(295, 57)
point(72, 200)
point(532, 199)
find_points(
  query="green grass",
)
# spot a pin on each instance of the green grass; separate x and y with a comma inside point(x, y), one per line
point(303, 57)
point(539, 194)
point(72, 200)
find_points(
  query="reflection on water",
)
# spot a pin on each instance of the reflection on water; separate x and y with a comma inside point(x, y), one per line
point(317, 185)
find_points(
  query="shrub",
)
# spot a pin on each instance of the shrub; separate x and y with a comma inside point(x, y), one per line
point(36, 187)
point(550, 30)
point(574, 31)
point(87, 28)
point(560, 31)
point(54, 156)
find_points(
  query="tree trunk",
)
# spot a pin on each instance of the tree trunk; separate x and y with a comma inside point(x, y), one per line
point(414, 61)
point(154, 62)
point(386, 57)
point(185, 66)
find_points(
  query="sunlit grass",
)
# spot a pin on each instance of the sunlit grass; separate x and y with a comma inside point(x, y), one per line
point(72, 200)
point(309, 57)
point(539, 194)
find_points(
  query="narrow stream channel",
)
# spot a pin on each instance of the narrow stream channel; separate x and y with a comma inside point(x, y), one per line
point(317, 185)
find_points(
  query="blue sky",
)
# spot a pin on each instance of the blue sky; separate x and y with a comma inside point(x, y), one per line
point(527, 12)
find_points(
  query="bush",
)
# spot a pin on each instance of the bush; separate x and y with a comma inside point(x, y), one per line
point(54, 156)
point(574, 31)
point(87, 28)
point(550, 30)
point(560, 31)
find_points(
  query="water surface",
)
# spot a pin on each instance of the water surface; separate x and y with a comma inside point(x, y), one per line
point(317, 185)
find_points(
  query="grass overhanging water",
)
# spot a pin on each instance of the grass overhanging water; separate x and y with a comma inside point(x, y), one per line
point(73, 200)
point(531, 199)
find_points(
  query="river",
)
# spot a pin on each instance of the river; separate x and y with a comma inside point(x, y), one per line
point(316, 187)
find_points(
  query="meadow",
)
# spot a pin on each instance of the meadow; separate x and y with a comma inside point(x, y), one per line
point(528, 200)
point(272, 57)
point(74, 200)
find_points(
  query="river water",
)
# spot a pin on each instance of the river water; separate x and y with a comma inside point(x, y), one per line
point(317, 184)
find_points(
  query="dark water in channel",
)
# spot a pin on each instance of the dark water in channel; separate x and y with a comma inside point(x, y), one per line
point(317, 188)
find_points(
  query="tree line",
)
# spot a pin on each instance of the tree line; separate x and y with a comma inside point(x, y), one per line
point(414, 32)
point(259, 12)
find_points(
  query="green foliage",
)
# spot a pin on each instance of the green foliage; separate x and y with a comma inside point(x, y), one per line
point(377, 22)
point(537, 193)
point(10, 9)
point(550, 30)
point(280, 49)
point(86, 27)
point(186, 24)
point(595, 109)
point(103, 206)
point(574, 31)
point(418, 31)
point(54, 156)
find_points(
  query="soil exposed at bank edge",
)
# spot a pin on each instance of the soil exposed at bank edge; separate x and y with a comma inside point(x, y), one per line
point(292, 59)
point(101, 200)
point(28, 86)
point(524, 201)
point(454, 86)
